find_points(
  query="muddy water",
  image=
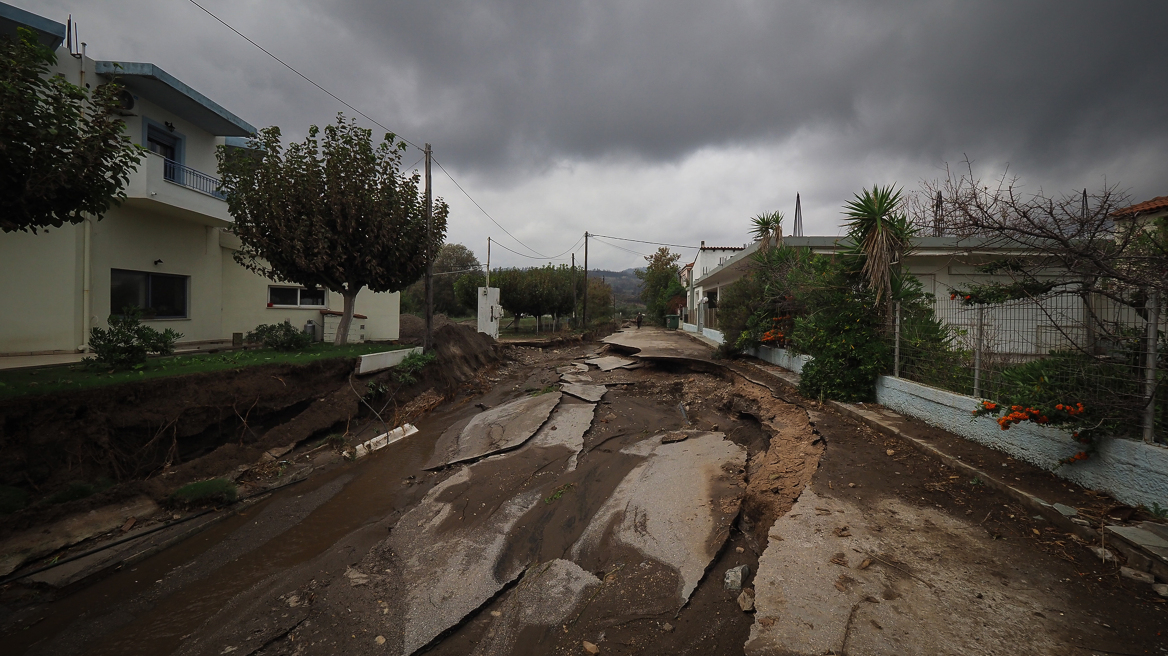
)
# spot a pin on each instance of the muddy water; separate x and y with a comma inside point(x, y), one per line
point(149, 608)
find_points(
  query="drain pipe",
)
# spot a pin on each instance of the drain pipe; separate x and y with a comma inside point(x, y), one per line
point(86, 260)
point(87, 285)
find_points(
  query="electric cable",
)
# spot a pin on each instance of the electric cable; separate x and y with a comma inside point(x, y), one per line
point(641, 241)
point(488, 214)
point(306, 78)
point(620, 247)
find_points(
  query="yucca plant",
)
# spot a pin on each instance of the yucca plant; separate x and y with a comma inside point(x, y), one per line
point(767, 226)
point(881, 236)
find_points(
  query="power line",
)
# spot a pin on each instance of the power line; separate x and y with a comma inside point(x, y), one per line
point(306, 78)
point(530, 257)
point(619, 247)
point(488, 215)
point(641, 241)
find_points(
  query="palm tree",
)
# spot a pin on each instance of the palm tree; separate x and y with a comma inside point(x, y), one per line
point(767, 226)
point(881, 235)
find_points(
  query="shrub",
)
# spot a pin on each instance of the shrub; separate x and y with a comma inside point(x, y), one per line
point(407, 372)
point(127, 343)
point(215, 490)
point(281, 337)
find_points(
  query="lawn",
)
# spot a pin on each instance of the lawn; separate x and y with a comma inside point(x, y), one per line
point(19, 382)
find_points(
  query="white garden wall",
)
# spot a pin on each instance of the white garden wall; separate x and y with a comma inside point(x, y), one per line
point(1131, 471)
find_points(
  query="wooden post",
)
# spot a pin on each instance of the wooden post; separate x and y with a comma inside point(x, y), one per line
point(428, 342)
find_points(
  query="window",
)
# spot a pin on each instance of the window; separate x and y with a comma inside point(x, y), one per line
point(164, 141)
point(159, 296)
point(296, 297)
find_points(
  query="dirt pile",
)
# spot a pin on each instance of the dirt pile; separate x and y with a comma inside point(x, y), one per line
point(412, 328)
point(121, 439)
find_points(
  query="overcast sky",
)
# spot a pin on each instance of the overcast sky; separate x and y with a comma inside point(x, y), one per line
point(676, 120)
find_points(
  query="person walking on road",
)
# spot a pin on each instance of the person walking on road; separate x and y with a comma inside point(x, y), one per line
point(640, 318)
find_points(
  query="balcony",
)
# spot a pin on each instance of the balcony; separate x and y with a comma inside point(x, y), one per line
point(163, 186)
point(185, 176)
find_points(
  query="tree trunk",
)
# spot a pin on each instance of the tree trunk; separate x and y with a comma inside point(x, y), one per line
point(346, 319)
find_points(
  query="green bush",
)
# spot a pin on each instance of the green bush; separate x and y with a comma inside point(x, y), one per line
point(407, 372)
point(281, 337)
point(216, 490)
point(127, 343)
point(12, 499)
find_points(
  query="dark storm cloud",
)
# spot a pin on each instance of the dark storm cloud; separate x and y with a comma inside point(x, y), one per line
point(1033, 83)
point(677, 120)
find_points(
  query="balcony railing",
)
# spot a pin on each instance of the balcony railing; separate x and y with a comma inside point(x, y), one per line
point(185, 176)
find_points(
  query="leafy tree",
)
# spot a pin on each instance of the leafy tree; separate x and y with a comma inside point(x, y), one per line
point(337, 213)
point(63, 150)
point(658, 280)
point(466, 290)
point(452, 259)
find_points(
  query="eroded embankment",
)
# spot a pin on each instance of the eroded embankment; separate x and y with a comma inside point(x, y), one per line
point(194, 427)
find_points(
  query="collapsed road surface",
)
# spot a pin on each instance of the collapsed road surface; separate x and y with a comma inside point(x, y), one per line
point(631, 498)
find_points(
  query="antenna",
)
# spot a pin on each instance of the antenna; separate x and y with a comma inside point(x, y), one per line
point(797, 230)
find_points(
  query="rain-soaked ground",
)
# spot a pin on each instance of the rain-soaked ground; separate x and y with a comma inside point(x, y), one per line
point(601, 518)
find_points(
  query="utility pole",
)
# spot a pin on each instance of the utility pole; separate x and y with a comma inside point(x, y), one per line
point(428, 342)
point(488, 265)
point(573, 286)
point(584, 311)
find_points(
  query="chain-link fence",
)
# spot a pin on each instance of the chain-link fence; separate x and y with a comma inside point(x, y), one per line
point(1063, 348)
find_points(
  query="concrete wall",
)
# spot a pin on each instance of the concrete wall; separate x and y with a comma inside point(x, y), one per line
point(781, 357)
point(715, 335)
point(1133, 472)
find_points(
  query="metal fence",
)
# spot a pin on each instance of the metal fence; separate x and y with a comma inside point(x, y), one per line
point(185, 176)
point(1087, 348)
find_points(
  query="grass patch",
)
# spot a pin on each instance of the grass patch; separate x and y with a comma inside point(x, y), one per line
point(44, 380)
point(546, 390)
point(12, 499)
point(559, 492)
point(216, 490)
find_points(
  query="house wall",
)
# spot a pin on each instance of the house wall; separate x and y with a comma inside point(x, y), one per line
point(41, 296)
point(133, 239)
point(245, 300)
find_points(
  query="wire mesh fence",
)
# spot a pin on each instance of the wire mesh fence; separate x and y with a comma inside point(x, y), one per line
point(1062, 348)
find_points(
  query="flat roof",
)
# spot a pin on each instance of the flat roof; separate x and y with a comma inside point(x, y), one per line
point(166, 91)
point(50, 32)
point(734, 267)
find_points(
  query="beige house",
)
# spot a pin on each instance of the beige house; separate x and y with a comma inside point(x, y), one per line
point(168, 248)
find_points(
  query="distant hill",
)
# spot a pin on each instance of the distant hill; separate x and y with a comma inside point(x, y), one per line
point(626, 286)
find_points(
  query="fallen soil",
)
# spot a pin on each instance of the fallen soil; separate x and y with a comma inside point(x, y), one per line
point(147, 439)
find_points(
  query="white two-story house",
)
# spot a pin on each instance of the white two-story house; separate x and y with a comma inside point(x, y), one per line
point(168, 248)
